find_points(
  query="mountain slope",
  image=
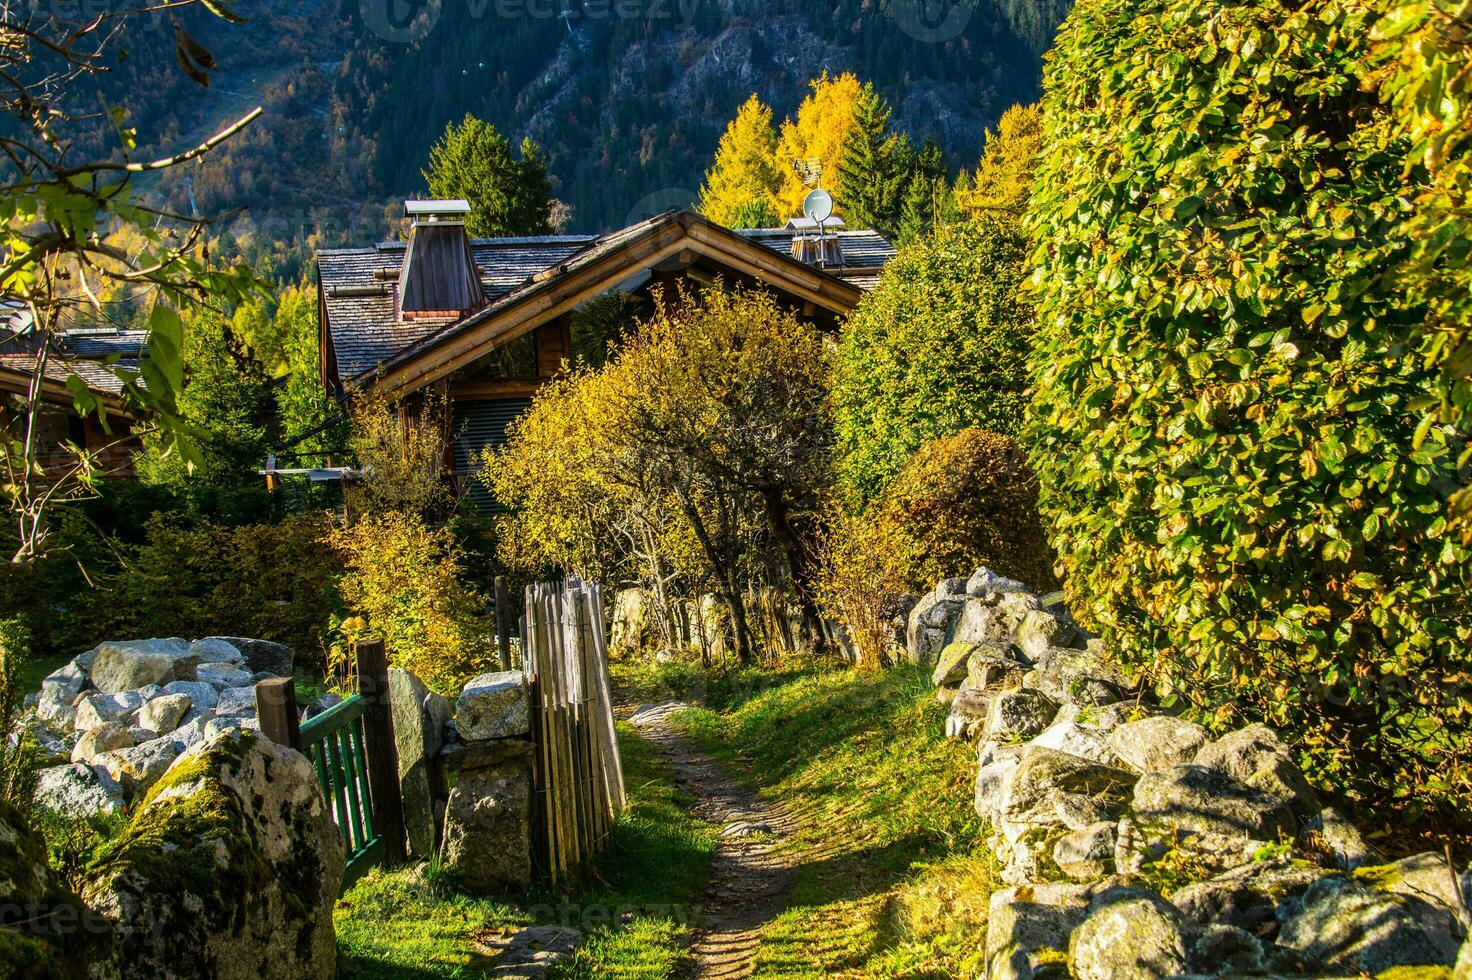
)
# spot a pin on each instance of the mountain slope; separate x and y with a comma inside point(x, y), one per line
point(627, 97)
point(629, 105)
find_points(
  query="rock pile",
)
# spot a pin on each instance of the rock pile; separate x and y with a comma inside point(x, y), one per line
point(115, 718)
point(1135, 844)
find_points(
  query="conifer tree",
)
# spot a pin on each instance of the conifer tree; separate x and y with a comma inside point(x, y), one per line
point(509, 194)
point(823, 123)
point(226, 403)
point(1004, 177)
point(928, 196)
point(740, 188)
point(871, 178)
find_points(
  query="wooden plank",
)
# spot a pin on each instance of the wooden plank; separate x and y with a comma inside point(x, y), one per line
point(503, 622)
point(572, 654)
point(540, 863)
point(318, 726)
point(606, 683)
point(347, 791)
point(554, 345)
point(354, 737)
point(593, 720)
point(277, 711)
point(383, 756)
point(491, 390)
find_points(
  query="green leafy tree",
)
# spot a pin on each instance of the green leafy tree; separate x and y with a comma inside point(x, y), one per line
point(727, 396)
point(740, 189)
point(310, 419)
point(1229, 422)
point(226, 405)
point(1428, 44)
point(940, 345)
point(756, 214)
point(76, 236)
point(509, 193)
point(961, 502)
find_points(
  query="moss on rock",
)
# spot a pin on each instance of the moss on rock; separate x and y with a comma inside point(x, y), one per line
point(45, 931)
point(228, 869)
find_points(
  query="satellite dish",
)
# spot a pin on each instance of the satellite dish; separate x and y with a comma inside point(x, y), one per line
point(818, 206)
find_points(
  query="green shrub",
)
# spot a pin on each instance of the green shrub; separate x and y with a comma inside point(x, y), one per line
point(1429, 45)
point(939, 346)
point(1226, 418)
point(19, 760)
point(962, 502)
point(271, 581)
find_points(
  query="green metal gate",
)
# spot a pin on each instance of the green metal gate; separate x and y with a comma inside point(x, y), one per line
point(334, 741)
point(351, 745)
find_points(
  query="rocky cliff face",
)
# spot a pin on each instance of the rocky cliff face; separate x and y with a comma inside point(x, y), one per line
point(630, 98)
point(627, 97)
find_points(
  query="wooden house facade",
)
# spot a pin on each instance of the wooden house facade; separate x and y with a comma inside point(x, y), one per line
point(486, 322)
point(89, 354)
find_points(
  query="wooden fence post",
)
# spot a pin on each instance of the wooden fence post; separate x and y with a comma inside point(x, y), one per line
point(277, 711)
point(383, 756)
point(503, 623)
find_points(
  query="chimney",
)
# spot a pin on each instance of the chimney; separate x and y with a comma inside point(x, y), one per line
point(439, 278)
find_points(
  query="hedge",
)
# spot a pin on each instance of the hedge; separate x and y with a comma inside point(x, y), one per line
point(1229, 429)
point(940, 345)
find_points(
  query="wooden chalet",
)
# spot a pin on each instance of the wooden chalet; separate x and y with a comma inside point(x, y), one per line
point(86, 354)
point(485, 322)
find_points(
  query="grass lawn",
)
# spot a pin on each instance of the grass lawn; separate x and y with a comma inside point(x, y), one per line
point(633, 907)
point(894, 880)
point(32, 669)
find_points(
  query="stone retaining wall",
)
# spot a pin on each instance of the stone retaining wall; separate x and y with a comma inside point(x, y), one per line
point(1134, 843)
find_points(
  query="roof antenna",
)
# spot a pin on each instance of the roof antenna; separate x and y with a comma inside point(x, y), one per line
point(822, 249)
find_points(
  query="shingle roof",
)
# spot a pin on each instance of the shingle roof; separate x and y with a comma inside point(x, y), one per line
point(99, 378)
point(359, 284)
point(81, 352)
point(365, 328)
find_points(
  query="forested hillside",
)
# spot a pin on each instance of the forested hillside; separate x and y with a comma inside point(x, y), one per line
point(627, 101)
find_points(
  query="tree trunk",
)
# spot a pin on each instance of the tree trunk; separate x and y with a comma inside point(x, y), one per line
point(727, 586)
point(797, 563)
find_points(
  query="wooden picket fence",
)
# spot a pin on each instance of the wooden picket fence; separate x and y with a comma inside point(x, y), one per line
point(578, 778)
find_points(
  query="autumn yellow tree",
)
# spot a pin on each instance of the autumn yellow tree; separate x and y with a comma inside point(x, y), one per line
point(697, 458)
point(745, 177)
point(824, 121)
point(580, 499)
point(1004, 178)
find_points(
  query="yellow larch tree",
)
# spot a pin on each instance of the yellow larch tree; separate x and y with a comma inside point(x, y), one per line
point(1004, 177)
point(823, 123)
point(745, 177)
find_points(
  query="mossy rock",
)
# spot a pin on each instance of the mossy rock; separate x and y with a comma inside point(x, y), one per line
point(45, 931)
point(229, 868)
